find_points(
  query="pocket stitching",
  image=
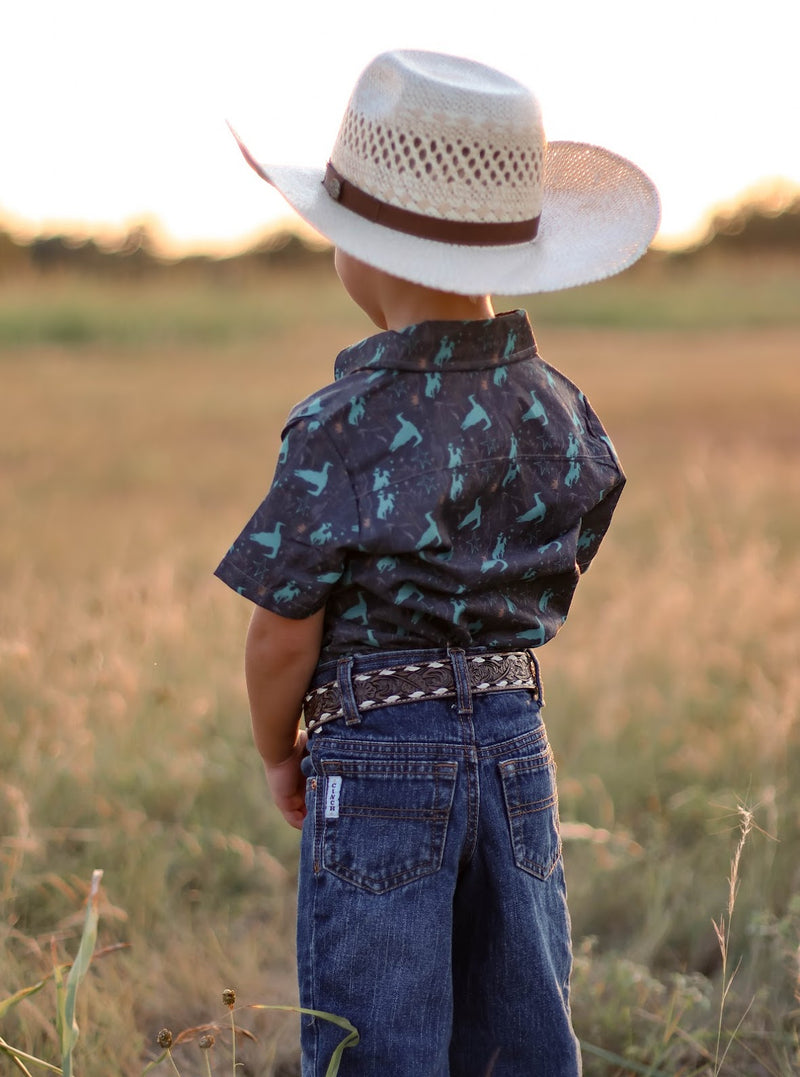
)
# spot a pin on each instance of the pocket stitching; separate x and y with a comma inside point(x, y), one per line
point(442, 774)
point(509, 770)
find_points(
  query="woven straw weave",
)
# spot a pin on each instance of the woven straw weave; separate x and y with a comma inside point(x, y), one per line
point(468, 158)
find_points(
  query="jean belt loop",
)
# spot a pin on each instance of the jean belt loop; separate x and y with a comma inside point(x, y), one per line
point(458, 660)
point(537, 676)
point(344, 682)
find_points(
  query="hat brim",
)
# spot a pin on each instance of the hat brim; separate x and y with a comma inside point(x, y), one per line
point(599, 215)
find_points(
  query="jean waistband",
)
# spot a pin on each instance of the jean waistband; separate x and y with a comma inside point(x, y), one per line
point(362, 682)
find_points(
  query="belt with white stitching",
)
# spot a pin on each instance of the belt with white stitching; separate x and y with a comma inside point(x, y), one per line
point(418, 681)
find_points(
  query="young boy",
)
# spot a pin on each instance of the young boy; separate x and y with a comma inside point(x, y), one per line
point(428, 521)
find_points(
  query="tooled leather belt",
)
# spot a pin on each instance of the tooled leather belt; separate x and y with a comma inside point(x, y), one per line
point(415, 682)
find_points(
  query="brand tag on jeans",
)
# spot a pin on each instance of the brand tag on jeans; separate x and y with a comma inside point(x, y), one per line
point(332, 791)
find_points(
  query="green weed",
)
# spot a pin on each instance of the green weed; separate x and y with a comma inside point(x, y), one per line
point(206, 1035)
point(66, 1025)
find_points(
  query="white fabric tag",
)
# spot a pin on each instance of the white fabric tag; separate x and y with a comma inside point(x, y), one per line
point(332, 790)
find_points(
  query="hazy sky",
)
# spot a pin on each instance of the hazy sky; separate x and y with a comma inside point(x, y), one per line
point(114, 113)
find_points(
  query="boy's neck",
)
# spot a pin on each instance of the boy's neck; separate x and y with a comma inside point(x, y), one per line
point(414, 305)
point(393, 303)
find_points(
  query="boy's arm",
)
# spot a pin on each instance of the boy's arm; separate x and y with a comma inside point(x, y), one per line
point(280, 657)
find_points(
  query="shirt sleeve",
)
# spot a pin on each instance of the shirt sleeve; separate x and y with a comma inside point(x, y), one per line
point(596, 520)
point(293, 549)
point(595, 524)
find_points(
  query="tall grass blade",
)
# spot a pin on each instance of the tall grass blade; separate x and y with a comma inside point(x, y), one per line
point(350, 1040)
point(6, 1049)
point(58, 981)
point(9, 1003)
point(67, 993)
point(618, 1060)
point(722, 930)
point(233, 1044)
point(20, 1057)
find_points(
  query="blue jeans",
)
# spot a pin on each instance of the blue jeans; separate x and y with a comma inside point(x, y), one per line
point(432, 908)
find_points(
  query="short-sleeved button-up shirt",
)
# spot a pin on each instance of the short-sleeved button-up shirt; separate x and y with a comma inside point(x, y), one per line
point(449, 487)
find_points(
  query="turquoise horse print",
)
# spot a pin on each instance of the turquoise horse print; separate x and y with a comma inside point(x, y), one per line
point(573, 474)
point(444, 353)
point(459, 605)
point(270, 540)
point(322, 534)
point(407, 433)
point(496, 559)
point(513, 466)
point(456, 485)
point(380, 479)
point(405, 591)
point(535, 514)
point(433, 383)
point(358, 612)
point(536, 411)
point(473, 516)
point(286, 593)
point(475, 416)
point(317, 480)
point(586, 539)
point(357, 410)
point(577, 422)
point(535, 636)
point(431, 536)
point(385, 504)
point(455, 455)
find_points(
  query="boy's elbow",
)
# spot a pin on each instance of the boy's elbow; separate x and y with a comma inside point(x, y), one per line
point(272, 638)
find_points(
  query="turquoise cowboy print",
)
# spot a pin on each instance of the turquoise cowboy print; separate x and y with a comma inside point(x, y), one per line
point(448, 487)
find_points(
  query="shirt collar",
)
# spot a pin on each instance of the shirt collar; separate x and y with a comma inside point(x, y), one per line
point(443, 346)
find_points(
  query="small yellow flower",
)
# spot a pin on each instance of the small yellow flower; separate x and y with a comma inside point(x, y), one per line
point(164, 1039)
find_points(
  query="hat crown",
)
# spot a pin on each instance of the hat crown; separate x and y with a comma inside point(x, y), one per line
point(445, 137)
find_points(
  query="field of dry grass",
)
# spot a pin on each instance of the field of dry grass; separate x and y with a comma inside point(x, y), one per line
point(131, 449)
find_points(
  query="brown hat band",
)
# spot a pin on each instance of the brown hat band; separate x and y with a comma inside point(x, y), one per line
point(468, 233)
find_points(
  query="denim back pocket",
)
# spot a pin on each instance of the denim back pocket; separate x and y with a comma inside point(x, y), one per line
point(384, 823)
point(529, 789)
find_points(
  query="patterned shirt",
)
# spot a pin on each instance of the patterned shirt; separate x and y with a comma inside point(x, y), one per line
point(449, 487)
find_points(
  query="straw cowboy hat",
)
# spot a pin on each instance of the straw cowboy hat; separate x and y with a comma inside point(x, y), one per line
point(441, 174)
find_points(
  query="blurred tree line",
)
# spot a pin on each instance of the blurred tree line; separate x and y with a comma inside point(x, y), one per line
point(766, 225)
point(136, 256)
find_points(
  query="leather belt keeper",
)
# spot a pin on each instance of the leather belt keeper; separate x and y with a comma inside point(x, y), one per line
point(415, 682)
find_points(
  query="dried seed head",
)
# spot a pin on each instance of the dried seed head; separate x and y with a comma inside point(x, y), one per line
point(206, 1042)
point(164, 1039)
point(229, 997)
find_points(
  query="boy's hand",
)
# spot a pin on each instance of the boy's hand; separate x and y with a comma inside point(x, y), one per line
point(288, 784)
point(280, 656)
